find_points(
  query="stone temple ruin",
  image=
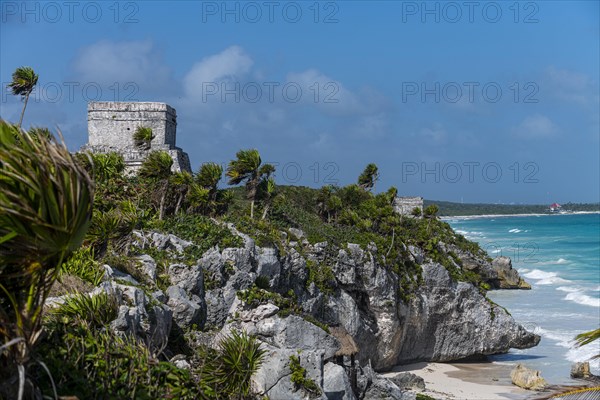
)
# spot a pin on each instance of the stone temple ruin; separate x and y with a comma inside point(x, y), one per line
point(111, 126)
point(406, 205)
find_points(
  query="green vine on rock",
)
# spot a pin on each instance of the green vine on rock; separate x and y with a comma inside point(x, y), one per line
point(299, 378)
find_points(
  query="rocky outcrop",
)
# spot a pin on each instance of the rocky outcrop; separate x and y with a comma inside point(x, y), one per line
point(336, 384)
point(440, 320)
point(580, 370)
point(527, 378)
point(497, 273)
point(450, 320)
point(508, 277)
point(408, 381)
point(444, 320)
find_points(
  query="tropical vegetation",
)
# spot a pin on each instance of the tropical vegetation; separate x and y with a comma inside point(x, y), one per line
point(64, 217)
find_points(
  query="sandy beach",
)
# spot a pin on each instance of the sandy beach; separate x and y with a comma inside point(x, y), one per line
point(466, 381)
point(445, 218)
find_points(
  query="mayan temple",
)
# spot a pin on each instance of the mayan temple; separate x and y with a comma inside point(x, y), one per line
point(111, 126)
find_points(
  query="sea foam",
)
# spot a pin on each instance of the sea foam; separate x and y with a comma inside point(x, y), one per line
point(583, 299)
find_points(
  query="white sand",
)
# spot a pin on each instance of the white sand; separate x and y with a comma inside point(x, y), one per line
point(461, 217)
point(472, 381)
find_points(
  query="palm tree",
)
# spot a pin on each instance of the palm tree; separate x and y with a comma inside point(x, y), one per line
point(208, 177)
point(247, 167)
point(157, 169)
point(181, 183)
point(369, 176)
point(267, 187)
point(24, 80)
point(45, 209)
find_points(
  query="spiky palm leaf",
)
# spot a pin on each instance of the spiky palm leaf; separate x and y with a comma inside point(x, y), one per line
point(45, 209)
point(587, 338)
point(142, 137)
point(245, 167)
point(23, 81)
point(209, 175)
point(157, 165)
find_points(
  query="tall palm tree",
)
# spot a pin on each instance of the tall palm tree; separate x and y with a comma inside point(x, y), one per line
point(181, 183)
point(208, 177)
point(24, 80)
point(157, 170)
point(267, 187)
point(247, 167)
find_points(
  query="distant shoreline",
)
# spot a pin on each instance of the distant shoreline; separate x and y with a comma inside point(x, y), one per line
point(449, 217)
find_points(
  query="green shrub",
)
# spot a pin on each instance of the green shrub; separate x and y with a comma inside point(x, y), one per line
point(97, 310)
point(200, 230)
point(299, 378)
point(229, 368)
point(82, 264)
point(262, 282)
point(142, 137)
point(96, 364)
point(321, 275)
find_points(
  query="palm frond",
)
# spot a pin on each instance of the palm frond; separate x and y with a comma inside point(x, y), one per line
point(209, 175)
point(23, 81)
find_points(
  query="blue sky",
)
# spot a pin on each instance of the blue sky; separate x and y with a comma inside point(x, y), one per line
point(479, 102)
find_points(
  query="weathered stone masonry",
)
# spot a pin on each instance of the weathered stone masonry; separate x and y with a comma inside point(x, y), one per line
point(111, 126)
point(406, 205)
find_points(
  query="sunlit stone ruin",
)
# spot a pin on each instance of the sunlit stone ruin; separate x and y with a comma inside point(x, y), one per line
point(111, 126)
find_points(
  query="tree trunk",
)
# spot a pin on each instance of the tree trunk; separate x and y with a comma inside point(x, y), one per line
point(265, 211)
point(163, 198)
point(24, 107)
point(252, 209)
point(179, 200)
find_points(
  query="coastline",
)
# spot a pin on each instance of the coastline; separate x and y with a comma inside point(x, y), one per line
point(463, 217)
point(466, 381)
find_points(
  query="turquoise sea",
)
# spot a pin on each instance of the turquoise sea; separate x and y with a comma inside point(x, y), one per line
point(559, 255)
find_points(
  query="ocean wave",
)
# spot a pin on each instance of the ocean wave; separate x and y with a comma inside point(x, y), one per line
point(545, 278)
point(584, 353)
point(515, 230)
point(559, 261)
point(569, 289)
point(583, 299)
point(563, 339)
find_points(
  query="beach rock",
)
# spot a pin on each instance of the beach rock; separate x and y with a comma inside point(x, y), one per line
point(580, 370)
point(382, 388)
point(527, 378)
point(408, 381)
point(508, 277)
point(336, 384)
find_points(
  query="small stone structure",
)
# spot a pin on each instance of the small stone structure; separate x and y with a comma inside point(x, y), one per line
point(111, 126)
point(406, 205)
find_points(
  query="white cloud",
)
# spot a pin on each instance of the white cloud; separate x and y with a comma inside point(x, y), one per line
point(536, 126)
point(572, 86)
point(134, 61)
point(232, 64)
point(325, 92)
